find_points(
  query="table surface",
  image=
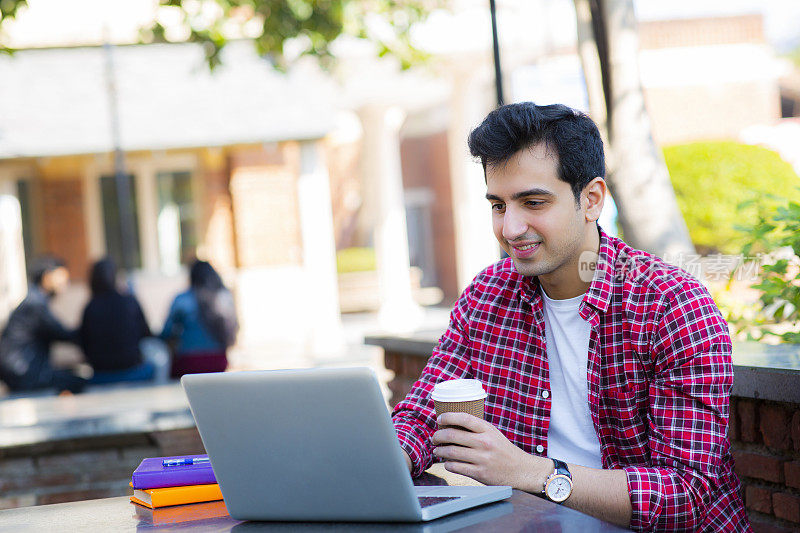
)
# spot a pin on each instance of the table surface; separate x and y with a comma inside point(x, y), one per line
point(522, 512)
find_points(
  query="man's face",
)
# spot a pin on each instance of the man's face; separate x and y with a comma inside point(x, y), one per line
point(534, 214)
point(54, 281)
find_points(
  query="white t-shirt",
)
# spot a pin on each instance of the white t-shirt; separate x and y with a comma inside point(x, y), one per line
point(571, 437)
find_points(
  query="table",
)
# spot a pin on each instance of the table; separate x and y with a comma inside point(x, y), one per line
point(522, 512)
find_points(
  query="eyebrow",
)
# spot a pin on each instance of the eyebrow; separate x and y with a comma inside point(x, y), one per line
point(536, 191)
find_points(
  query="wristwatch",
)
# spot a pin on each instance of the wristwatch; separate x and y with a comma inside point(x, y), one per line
point(558, 485)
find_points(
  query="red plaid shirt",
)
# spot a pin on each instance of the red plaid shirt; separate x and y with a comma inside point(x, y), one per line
point(659, 375)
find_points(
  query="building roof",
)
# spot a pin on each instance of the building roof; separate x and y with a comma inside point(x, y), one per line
point(56, 101)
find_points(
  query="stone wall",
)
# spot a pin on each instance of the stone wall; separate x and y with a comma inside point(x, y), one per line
point(82, 469)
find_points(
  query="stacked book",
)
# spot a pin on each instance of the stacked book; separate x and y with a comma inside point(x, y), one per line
point(163, 481)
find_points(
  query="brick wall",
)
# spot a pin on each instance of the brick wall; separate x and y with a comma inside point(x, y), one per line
point(766, 442)
point(82, 469)
point(63, 228)
point(344, 171)
point(702, 31)
point(218, 223)
point(426, 164)
point(266, 214)
point(683, 114)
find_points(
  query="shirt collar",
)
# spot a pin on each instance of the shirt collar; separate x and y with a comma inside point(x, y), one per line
point(599, 293)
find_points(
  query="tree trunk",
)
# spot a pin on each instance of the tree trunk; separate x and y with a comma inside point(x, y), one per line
point(638, 179)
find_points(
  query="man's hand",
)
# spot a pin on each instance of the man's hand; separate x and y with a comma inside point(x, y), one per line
point(485, 454)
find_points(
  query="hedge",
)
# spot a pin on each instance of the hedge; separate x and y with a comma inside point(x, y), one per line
point(711, 179)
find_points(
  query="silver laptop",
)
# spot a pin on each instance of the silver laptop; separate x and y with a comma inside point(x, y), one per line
point(313, 445)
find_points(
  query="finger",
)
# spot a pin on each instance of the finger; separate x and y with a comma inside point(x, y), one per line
point(455, 436)
point(465, 469)
point(455, 453)
point(464, 420)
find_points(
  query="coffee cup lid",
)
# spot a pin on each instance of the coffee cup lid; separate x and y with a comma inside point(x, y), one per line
point(458, 390)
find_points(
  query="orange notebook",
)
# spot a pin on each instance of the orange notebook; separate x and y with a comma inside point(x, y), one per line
point(165, 496)
point(177, 514)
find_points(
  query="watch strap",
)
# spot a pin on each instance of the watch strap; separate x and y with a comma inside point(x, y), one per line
point(561, 468)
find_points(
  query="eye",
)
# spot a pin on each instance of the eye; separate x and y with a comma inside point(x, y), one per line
point(498, 207)
point(534, 203)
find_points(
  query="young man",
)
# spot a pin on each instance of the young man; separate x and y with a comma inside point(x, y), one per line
point(608, 371)
point(31, 329)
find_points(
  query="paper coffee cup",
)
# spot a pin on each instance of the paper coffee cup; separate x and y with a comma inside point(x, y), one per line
point(459, 395)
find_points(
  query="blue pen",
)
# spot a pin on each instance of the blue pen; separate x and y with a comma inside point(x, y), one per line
point(185, 461)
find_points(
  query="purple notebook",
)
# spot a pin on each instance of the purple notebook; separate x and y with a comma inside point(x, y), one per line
point(152, 474)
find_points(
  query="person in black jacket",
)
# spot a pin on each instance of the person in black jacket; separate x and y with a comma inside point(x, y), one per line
point(31, 329)
point(111, 330)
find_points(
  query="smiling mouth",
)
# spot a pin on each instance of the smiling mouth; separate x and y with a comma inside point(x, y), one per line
point(525, 250)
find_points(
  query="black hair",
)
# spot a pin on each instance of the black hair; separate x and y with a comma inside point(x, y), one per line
point(203, 276)
point(42, 265)
point(103, 277)
point(571, 134)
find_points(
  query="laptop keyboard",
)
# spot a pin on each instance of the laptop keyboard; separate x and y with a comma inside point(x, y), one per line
point(427, 501)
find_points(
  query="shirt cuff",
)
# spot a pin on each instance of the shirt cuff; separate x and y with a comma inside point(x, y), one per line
point(660, 500)
point(415, 445)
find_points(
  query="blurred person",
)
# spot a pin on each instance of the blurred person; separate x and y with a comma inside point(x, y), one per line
point(32, 328)
point(201, 324)
point(608, 371)
point(112, 329)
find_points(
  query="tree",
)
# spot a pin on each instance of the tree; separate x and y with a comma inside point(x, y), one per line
point(637, 176)
point(8, 10)
point(312, 25)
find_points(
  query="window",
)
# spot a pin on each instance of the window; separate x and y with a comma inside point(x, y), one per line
point(177, 219)
point(419, 225)
point(113, 223)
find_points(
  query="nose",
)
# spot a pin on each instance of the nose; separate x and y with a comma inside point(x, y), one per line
point(514, 225)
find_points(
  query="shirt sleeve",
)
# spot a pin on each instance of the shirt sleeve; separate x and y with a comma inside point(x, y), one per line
point(688, 416)
point(414, 418)
point(51, 329)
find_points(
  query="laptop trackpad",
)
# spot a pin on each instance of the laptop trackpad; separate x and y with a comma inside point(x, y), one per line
point(427, 501)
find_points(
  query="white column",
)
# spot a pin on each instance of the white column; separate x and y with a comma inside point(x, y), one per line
point(93, 212)
point(476, 246)
point(383, 173)
point(147, 198)
point(325, 336)
point(13, 282)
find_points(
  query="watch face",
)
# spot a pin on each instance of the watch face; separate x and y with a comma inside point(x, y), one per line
point(559, 488)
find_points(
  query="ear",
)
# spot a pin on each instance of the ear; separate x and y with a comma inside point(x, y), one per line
point(592, 198)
